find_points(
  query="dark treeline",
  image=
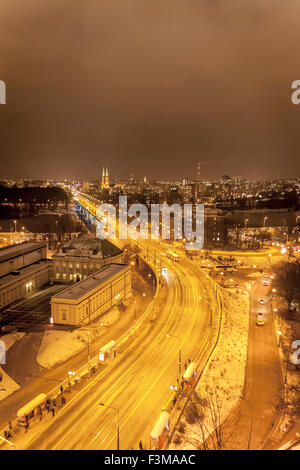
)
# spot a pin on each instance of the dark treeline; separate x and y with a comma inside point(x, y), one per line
point(32, 195)
point(21, 202)
point(290, 202)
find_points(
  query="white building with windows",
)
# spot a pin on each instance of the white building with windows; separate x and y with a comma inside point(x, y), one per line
point(80, 257)
point(90, 298)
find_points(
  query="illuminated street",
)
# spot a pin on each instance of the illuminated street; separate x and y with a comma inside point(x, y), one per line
point(149, 230)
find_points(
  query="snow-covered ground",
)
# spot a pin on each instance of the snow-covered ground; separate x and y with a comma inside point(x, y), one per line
point(223, 379)
point(58, 346)
point(8, 385)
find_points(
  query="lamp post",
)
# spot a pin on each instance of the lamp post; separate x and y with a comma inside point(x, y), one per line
point(179, 339)
point(251, 422)
point(265, 218)
point(118, 422)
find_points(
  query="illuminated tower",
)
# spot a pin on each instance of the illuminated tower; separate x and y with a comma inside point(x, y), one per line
point(105, 179)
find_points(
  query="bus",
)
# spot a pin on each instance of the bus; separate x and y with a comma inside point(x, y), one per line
point(173, 256)
point(159, 434)
point(105, 350)
point(28, 411)
point(189, 376)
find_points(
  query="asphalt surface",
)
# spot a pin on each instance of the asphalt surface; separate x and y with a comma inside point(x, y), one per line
point(138, 381)
point(263, 383)
point(32, 313)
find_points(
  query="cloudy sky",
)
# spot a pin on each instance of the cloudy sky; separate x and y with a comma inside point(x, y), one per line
point(149, 87)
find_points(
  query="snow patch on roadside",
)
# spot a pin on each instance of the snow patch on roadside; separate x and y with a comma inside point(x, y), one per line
point(8, 385)
point(222, 381)
point(59, 346)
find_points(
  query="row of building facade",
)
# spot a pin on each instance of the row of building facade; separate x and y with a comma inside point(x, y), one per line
point(25, 268)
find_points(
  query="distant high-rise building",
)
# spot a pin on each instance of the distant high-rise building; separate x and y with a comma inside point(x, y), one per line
point(105, 179)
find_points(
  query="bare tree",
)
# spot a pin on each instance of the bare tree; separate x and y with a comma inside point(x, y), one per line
point(205, 414)
point(287, 281)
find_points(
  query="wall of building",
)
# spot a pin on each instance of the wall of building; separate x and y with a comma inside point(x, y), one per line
point(23, 284)
point(93, 305)
point(69, 269)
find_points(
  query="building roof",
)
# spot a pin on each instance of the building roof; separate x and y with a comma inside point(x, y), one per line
point(80, 289)
point(28, 270)
point(17, 250)
point(87, 247)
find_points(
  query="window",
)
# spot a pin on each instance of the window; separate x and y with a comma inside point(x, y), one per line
point(64, 314)
point(57, 276)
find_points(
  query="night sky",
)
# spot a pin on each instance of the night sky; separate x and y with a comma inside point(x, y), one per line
point(149, 87)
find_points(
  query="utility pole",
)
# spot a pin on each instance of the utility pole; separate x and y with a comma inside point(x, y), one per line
point(89, 349)
point(118, 422)
point(179, 355)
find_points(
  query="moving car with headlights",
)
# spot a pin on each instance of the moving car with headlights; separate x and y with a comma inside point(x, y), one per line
point(260, 321)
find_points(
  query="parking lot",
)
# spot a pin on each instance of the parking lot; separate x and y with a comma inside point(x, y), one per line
point(30, 314)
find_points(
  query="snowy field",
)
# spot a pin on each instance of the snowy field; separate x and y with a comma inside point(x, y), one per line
point(58, 346)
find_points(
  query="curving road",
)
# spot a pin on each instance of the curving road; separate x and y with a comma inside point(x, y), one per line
point(138, 381)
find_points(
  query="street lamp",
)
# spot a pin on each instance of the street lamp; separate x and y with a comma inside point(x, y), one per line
point(118, 422)
point(179, 339)
point(246, 220)
point(265, 218)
